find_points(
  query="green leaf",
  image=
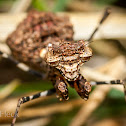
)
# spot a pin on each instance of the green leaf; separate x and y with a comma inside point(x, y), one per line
point(40, 5)
point(113, 104)
point(116, 94)
point(105, 2)
point(60, 5)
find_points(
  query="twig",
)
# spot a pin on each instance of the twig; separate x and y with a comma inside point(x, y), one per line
point(94, 101)
point(20, 6)
point(12, 102)
point(41, 111)
point(9, 89)
point(119, 63)
point(83, 23)
point(51, 109)
point(33, 122)
point(98, 94)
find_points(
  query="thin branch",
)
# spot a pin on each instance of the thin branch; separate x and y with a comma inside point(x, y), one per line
point(20, 6)
point(9, 89)
point(99, 94)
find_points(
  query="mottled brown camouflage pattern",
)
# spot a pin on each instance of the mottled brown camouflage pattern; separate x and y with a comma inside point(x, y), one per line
point(44, 41)
point(34, 33)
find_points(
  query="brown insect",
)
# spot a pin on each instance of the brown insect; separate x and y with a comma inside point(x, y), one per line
point(44, 41)
point(67, 58)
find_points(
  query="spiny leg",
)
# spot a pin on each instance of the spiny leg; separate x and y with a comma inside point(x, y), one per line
point(106, 82)
point(120, 82)
point(22, 66)
point(82, 87)
point(61, 89)
point(28, 98)
point(124, 84)
point(105, 15)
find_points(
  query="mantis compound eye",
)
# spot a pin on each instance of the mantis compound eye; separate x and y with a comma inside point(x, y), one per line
point(49, 46)
point(51, 58)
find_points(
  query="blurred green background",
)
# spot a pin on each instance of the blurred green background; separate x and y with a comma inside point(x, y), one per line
point(62, 5)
